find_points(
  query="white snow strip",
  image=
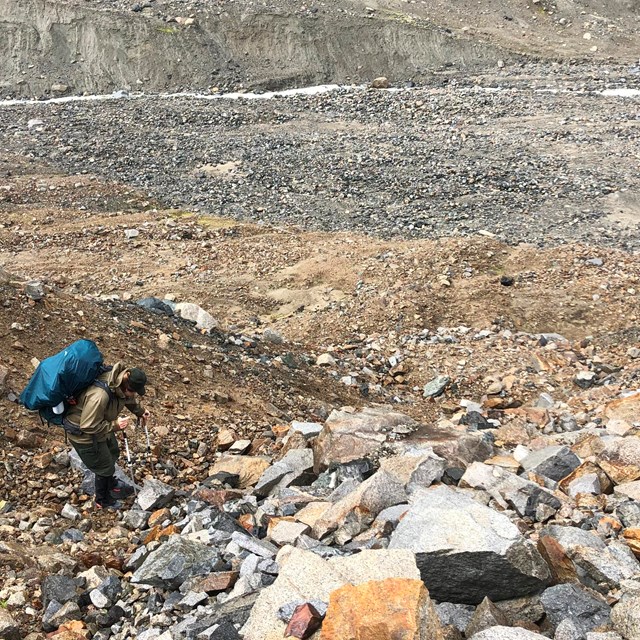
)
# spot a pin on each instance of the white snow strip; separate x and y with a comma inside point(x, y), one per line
point(124, 95)
point(621, 93)
point(267, 95)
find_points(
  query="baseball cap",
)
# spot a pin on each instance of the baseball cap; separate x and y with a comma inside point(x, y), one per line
point(137, 380)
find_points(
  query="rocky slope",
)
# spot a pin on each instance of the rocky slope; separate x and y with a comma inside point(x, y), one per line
point(319, 444)
point(391, 334)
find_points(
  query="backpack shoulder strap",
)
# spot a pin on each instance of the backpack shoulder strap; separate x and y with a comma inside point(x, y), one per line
point(106, 388)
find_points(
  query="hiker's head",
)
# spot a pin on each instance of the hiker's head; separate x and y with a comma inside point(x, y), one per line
point(133, 382)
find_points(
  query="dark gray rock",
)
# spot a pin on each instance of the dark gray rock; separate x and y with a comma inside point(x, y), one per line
point(9, 628)
point(175, 561)
point(555, 462)
point(436, 387)
point(466, 551)
point(225, 619)
point(485, 616)
point(458, 615)
point(564, 601)
point(137, 558)
point(59, 588)
point(155, 305)
point(135, 519)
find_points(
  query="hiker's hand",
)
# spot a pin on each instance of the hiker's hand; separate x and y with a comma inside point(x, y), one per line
point(145, 416)
point(123, 423)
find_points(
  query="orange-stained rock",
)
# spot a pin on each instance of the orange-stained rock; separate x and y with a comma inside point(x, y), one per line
point(561, 566)
point(590, 445)
point(249, 468)
point(159, 516)
point(505, 462)
point(391, 609)
point(158, 533)
point(248, 522)
point(620, 459)
point(42, 460)
point(624, 409)
point(536, 415)
point(606, 486)
point(225, 439)
point(90, 559)
point(632, 538)
point(589, 501)
point(215, 582)
point(280, 430)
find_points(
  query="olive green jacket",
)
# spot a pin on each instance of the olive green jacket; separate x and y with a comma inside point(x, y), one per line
point(96, 411)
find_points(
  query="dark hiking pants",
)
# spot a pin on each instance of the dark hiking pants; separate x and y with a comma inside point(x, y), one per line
point(100, 457)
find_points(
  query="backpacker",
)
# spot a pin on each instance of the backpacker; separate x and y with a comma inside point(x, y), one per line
point(58, 380)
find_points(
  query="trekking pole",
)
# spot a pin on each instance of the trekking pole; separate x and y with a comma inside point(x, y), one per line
point(148, 453)
point(129, 464)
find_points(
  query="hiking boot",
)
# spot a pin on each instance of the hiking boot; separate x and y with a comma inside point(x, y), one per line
point(104, 499)
point(120, 490)
point(108, 505)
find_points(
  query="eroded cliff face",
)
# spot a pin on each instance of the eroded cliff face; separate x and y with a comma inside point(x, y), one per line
point(55, 47)
point(50, 47)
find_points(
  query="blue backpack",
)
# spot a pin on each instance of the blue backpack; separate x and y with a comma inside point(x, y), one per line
point(60, 378)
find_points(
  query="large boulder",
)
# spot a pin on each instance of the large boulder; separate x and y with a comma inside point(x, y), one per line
point(382, 610)
point(466, 551)
point(348, 435)
point(175, 561)
point(305, 577)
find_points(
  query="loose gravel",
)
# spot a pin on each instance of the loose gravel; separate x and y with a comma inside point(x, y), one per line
point(536, 154)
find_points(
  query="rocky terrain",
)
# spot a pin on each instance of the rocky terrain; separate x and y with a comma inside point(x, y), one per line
point(391, 333)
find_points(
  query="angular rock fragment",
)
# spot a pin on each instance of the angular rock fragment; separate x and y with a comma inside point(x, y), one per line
point(350, 435)
point(485, 616)
point(175, 561)
point(292, 467)
point(466, 551)
point(385, 488)
point(565, 601)
point(154, 494)
point(555, 462)
point(620, 459)
point(9, 629)
point(456, 615)
point(630, 490)
point(248, 468)
point(305, 576)
point(304, 622)
point(527, 498)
